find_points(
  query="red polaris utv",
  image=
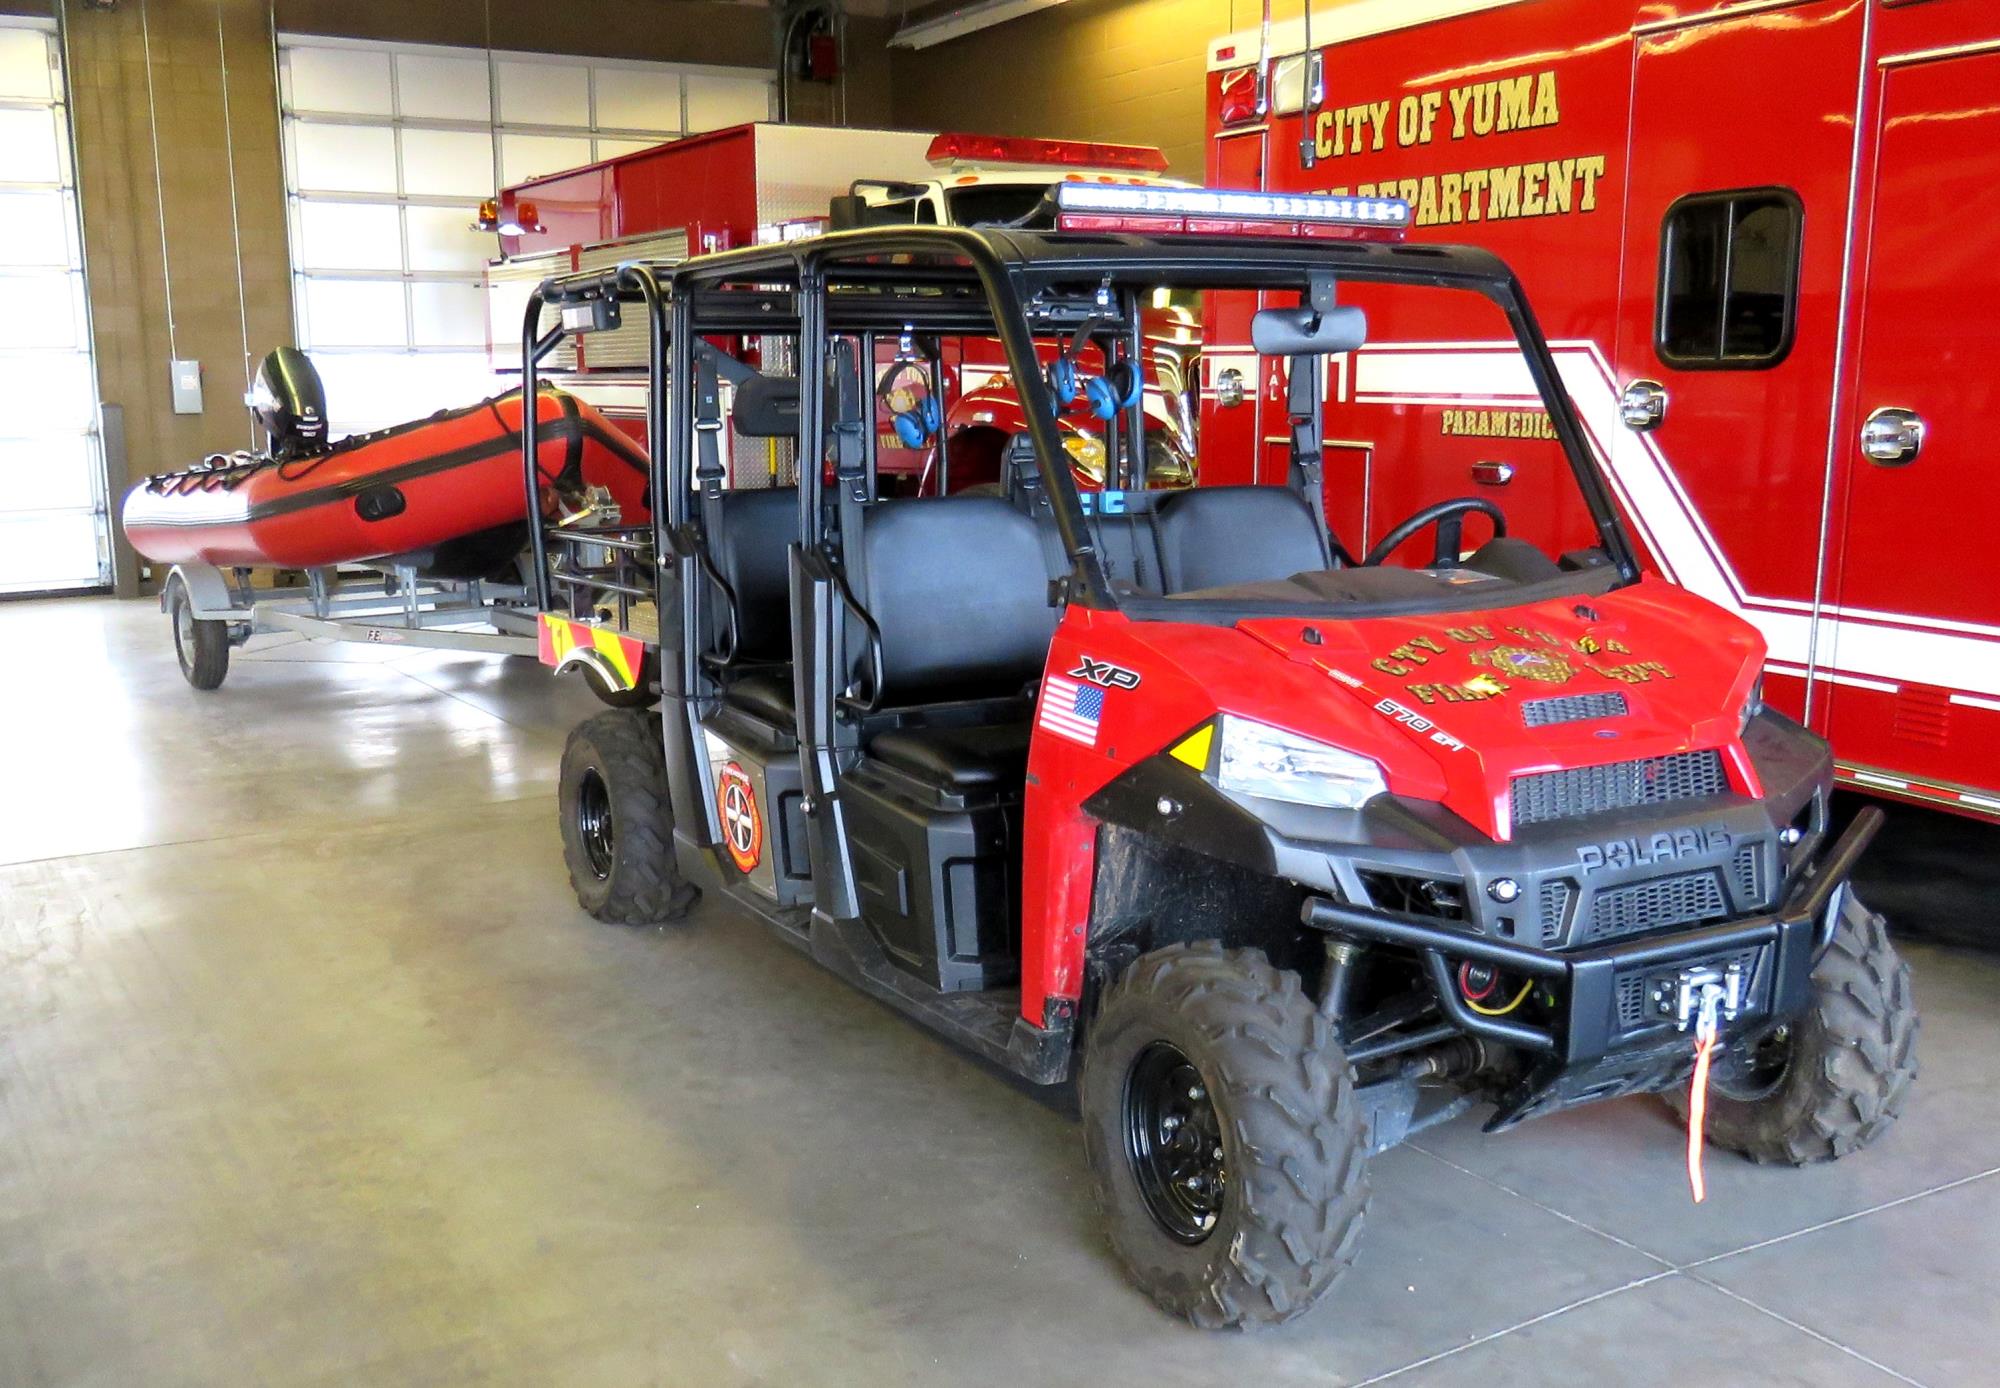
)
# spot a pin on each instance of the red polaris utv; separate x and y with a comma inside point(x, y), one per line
point(1283, 852)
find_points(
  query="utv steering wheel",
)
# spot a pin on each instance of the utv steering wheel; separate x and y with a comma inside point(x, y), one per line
point(1448, 517)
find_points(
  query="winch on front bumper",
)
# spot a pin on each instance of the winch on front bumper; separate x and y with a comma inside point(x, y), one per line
point(1617, 1025)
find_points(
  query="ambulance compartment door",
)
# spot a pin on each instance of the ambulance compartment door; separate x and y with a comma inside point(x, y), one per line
point(1911, 633)
point(1715, 419)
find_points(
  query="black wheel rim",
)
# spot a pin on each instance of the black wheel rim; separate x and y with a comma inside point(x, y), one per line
point(1173, 1139)
point(1757, 1070)
point(593, 823)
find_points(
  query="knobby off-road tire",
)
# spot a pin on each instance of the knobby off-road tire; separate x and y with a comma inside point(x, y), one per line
point(201, 646)
point(1294, 1168)
point(617, 821)
point(1851, 1061)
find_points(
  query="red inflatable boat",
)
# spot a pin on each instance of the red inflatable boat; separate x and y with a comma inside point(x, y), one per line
point(444, 493)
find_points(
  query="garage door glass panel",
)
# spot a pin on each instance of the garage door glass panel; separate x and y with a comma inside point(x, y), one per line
point(528, 156)
point(441, 88)
point(447, 163)
point(354, 313)
point(36, 474)
point(43, 309)
point(38, 228)
point(352, 81)
point(611, 149)
point(389, 149)
point(372, 392)
point(447, 315)
point(635, 99)
point(30, 145)
point(39, 552)
point(46, 394)
point(544, 94)
point(442, 238)
point(715, 102)
point(343, 158)
point(350, 236)
point(25, 70)
point(53, 528)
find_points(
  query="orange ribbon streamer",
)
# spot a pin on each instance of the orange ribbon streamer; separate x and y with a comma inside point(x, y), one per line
point(1697, 1116)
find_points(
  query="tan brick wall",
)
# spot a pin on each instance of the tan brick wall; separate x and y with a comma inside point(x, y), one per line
point(1128, 70)
point(219, 275)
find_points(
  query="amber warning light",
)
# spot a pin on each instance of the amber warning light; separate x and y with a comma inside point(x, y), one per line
point(1212, 212)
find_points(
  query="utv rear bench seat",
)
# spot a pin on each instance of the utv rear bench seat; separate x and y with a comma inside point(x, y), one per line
point(958, 587)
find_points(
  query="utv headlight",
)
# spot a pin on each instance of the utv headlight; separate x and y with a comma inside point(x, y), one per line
point(1261, 760)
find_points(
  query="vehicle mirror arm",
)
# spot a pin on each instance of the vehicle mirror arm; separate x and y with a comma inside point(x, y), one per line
point(1305, 405)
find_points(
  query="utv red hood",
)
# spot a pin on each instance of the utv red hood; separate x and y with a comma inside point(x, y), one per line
point(1469, 691)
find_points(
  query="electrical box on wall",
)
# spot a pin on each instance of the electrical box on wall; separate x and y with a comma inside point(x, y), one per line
point(186, 378)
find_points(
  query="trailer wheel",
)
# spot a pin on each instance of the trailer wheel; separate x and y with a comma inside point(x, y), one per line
point(618, 823)
point(1834, 1080)
point(1223, 1132)
point(200, 645)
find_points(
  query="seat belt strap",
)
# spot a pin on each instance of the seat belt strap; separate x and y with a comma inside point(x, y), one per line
point(709, 472)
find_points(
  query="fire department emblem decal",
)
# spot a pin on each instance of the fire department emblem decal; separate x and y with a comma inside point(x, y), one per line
point(742, 825)
point(1523, 663)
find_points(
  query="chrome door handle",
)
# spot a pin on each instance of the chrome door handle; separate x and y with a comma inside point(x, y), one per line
point(1892, 437)
point(1229, 389)
point(1493, 474)
point(1642, 405)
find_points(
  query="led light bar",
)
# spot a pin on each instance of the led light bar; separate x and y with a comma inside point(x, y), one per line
point(1094, 206)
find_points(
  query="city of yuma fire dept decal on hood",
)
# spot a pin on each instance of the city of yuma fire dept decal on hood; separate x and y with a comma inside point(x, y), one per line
point(1511, 653)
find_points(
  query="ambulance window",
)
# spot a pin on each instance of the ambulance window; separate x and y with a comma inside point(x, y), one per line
point(902, 212)
point(1729, 275)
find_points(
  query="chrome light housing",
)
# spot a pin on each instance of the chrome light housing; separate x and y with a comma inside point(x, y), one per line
point(1261, 760)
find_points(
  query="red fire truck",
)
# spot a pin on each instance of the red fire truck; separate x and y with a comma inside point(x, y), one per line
point(1758, 235)
point(767, 182)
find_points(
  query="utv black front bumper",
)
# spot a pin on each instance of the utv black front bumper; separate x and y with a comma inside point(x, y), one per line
point(1608, 1035)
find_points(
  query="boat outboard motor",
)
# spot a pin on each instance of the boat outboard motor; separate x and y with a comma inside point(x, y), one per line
point(289, 401)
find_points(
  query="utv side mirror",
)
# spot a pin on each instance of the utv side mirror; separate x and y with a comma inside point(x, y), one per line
point(1296, 332)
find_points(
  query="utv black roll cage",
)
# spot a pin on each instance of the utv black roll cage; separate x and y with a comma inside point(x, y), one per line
point(991, 281)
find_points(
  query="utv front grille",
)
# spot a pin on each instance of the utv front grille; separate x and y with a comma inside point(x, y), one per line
point(1684, 900)
point(1573, 708)
point(1571, 794)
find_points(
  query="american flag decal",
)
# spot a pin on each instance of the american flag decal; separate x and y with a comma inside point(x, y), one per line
point(1071, 710)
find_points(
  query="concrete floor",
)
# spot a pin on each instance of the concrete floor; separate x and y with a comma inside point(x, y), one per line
point(312, 1073)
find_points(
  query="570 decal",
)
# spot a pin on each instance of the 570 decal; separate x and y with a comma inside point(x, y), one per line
point(1417, 723)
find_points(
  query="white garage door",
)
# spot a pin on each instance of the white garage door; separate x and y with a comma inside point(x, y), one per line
point(52, 515)
point(389, 150)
